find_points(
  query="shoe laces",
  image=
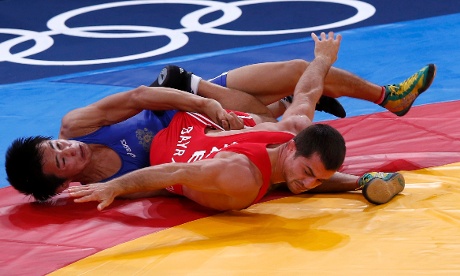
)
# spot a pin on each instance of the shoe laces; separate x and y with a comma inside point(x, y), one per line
point(403, 86)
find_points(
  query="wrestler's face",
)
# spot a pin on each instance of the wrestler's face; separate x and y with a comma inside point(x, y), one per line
point(64, 158)
point(302, 174)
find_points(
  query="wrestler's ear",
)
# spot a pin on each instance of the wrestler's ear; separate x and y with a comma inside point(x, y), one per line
point(291, 146)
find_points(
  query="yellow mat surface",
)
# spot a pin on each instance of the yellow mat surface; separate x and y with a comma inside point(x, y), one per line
point(418, 232)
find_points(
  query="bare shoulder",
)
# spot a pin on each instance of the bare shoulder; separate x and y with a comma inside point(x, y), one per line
point(239, 174)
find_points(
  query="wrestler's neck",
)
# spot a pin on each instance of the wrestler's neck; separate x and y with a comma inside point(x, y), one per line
point(99, 168)
point(277, 157)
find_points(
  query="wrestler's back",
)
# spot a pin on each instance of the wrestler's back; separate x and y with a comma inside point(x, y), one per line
point(186, 141)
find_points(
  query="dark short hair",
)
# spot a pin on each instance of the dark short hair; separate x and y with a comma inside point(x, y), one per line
point(324, 140)
point(23, 165)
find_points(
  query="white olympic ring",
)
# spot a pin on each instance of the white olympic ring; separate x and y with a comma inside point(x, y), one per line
point(178, 38)
point(42, 42)
point(58, 22)
point(191, 20)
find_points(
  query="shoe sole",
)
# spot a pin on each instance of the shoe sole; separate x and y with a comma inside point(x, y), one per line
point(430, 78)
point(332, 106)
point(379, 191)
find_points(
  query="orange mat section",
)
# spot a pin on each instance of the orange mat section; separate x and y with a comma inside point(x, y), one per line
point(416, 233)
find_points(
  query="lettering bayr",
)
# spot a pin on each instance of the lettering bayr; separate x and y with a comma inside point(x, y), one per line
point(184, 140)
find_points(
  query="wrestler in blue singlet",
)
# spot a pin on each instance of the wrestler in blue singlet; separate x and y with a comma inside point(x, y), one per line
point(131, 138)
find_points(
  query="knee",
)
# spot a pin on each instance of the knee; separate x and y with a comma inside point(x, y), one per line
point(297, 67)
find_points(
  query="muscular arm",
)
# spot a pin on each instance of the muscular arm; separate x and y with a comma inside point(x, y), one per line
point(121, 106)
point(310, 85)
point(230, 175)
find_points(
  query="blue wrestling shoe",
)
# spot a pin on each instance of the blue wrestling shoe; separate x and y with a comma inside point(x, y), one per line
point(174, 77)
point(400, 97)
point(325, 103)
point(379, 188)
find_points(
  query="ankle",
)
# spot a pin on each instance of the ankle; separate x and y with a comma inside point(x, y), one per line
point(194, 83)
point(382, 96)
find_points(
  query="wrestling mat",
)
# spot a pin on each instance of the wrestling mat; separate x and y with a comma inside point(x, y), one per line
point(418, 232)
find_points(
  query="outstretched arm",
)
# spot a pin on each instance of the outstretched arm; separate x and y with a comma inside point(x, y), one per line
point(233, 188)
point(310, 85)
point(121, 106)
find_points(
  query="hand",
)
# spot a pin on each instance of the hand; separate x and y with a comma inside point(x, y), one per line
point(101, 192)
point(232, 121)
point(227, 120)
point(327, 47)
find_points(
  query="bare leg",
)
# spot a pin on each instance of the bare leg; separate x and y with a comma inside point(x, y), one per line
point(234, 99)
point(271, 81)
point(340, 83)
point(258, 88)
point(268, 82)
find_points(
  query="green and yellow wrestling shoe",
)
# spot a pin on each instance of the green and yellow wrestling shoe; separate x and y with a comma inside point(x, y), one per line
point(379, 188)
point(400, 97)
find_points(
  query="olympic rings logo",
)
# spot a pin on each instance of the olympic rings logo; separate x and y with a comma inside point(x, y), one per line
point(178, 38)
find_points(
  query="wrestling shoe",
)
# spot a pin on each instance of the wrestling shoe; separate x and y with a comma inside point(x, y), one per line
point(379, 188)
point(400, 97)
point(174, 77)
point(325, 103)
point(331, 106)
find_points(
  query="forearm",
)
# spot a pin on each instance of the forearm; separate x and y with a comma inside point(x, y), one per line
point(121, 106)
point(145, 180)
point(162, 98)
point(156, 193)
point(311, 82)
point(309, 89)
point(338, 183)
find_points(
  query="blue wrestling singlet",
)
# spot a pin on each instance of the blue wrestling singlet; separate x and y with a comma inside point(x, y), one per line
point(220, 80)
point(131, 138)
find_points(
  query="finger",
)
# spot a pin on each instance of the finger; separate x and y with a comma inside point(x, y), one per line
point(101, 206)
point(78, 193)
point(235, 121)
point(339, 38)
point(323, 36)
point(314, 36)
point(74, 189)
point(331, 35)
point(79, 188)
point(225, 124)
point(83, 199)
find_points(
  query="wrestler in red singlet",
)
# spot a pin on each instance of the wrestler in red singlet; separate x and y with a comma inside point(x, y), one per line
point(185, 141)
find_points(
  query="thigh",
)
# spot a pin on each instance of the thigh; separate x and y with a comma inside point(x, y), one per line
point(269, 81)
